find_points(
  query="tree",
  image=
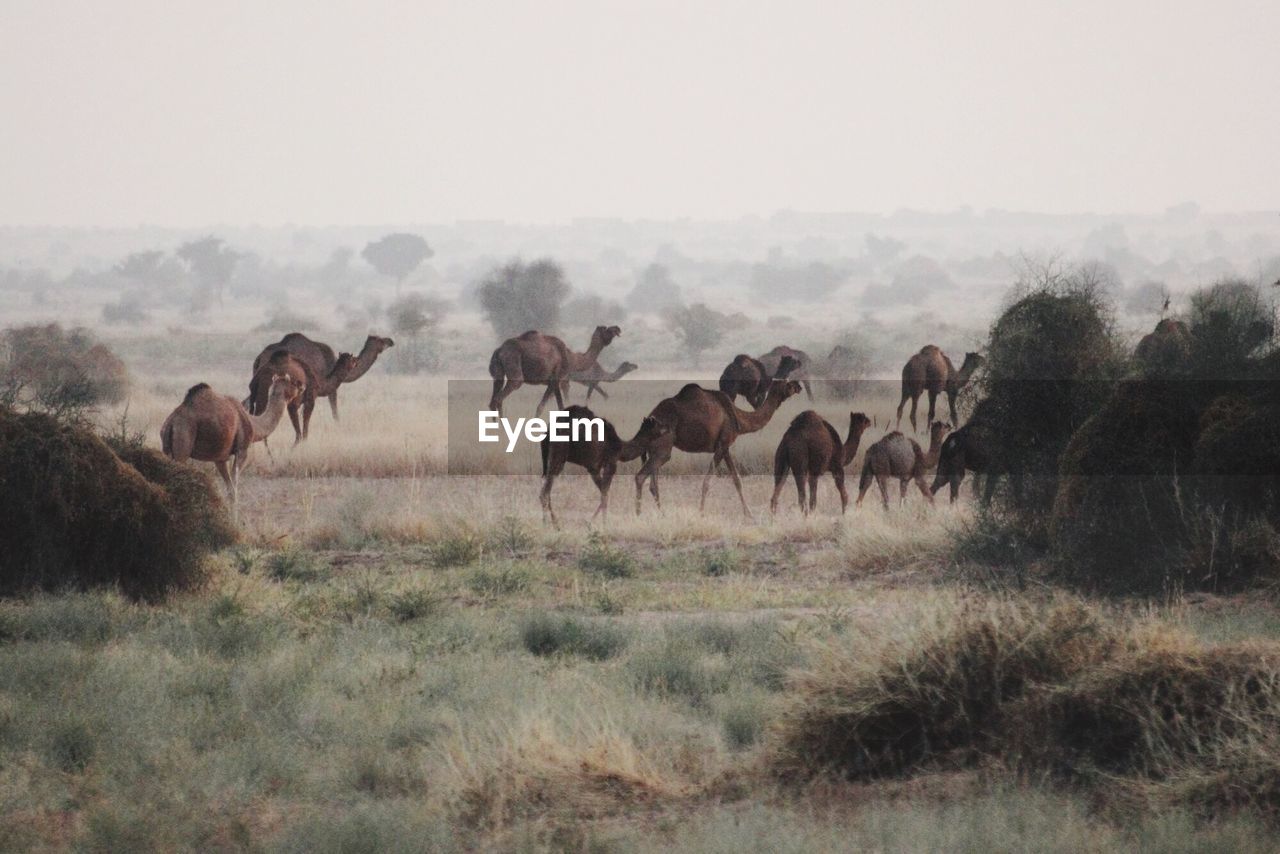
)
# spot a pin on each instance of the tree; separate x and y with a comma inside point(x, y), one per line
point(698, 327)
point(517, 297)
point(655, 290)
point(211, 261)
point(397, 255)
point(410, 316)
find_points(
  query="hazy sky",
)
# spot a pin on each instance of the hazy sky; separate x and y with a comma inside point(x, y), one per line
point(318, 112)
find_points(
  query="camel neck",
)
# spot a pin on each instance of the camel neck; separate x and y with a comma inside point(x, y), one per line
point(263, 425)
point(361, 365)
point(851, 445)
point(750, 422)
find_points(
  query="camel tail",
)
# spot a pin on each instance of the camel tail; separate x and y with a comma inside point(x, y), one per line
point(865, 480)
point(498, 371)
point(780, 459)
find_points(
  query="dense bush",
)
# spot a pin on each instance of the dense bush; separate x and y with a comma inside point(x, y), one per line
point(517, 297)
point(77, 515)
point(54, 370)
point(1172, 484)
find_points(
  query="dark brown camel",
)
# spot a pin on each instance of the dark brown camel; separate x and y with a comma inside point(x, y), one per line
point(541, 359)
point(750, 378)
point(216, 428)
point(811, 447)
point(975, 448)
point(282, 362)
point(321, 359)
point(931, 371)
point(801, 373)
point(596, 374)
point(899, 457)
point(599, 457)
point(702, 421)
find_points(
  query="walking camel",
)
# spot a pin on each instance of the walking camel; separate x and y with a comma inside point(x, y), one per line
point(701, 421)
point(752, 379)
point(811, 447)
point(216, 428)
point(282, 362)
point(541, 360)
point(600, 457)
point(930, 370)
point(596, 374)
point(974, 448)
point(899, 457)
point(321, 359)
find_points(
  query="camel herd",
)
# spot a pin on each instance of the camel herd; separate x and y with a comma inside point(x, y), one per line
point(290, 375)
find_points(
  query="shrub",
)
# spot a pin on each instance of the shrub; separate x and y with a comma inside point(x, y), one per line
point(715, 563)
point(547, 634)
point(518, 297)
point(461, 549)
point(292, 565)
point(502, 581)
point(512, 537)
point(676, 667)
point(49, 369)
point(601, 558)
point(77, 515)
point(413, 604)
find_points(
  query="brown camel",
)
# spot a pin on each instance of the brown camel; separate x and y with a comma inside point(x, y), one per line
point(810, 447)
point(282, 362)
point(599, 457)
point(216, 428)
point(1167, 346)
point(930, 370)
point(541, 360)
point(702, 421)
point(321, 359)
point(802, 371)
point(750, 378)
point(975, 447)
point(899, 457)
point(596, 374)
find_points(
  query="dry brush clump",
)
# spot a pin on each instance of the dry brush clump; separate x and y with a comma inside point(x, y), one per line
point(1172, 483)
point(56, 370)
point(78, 515)
point(1144, 715)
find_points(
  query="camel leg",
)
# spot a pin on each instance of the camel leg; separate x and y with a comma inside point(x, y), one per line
point(924, 488)
point(333, 404)
point(555, 466)
point(267, 447)
point(838, 474)
point(501, 392)
point(737, 483)
point(807, 389)
point(552, 388)
point(798, 475)
point(706, 483)
point(600, 390)
point(915, 400)
point(649, 471)
point(951, 404)
point(902, 491)
point(307, 408)
point(293, 419)
point(226, 479)
point(883, 482)
point(813, 492)
point(933, 407)
point(901, 404)
point(603, 479)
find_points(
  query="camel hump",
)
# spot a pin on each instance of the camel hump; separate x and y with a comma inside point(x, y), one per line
point(835, 437)
point(930, 349)
point(804, 419)
point(195, 391)
point(279, 355)
point(293, 337)
point(531, 335)
point(688, 391)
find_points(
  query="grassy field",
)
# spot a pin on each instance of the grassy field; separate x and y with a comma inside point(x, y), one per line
point(401, 659)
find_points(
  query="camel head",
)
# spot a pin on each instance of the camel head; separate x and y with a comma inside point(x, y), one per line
point(627, 367)
point(937, 430)
point(651, 432)
point(858, 423)
point(780, 390)
point(286, 387)
point(951, 463)
point(786, 365)
point(604, 335)
point(972, 361)
point(374, 344)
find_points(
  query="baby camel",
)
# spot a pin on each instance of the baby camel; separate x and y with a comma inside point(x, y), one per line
point(600, 457)
point(810, 447)
point(899, 457)
point(216, 428)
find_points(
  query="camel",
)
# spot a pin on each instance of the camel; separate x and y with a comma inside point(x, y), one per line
point(1168, 345)
point(750, 378)
point(599, 457)
point(930, 370)
point(701, 421)
point(810, 447)
point(974, 447)
point(321, 359)
point(282, 362)
point(596, 374)
point(216, 428)
point(542, 360)
point(899, 457)
point(804, 364)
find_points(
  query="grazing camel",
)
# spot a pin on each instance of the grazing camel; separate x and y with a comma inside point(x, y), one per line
point(599, 457)
point(595, 374)
point(974, 447)
point(899, 457)
point(321, 359)
point(702, 421)
point(542, 360)
point(930, 370)
point(282, 362)
point(216, 428)
point(802, 371)
point(810, 447)
point(750, 378)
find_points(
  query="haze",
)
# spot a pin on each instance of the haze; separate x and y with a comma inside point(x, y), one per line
point(187, 114)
